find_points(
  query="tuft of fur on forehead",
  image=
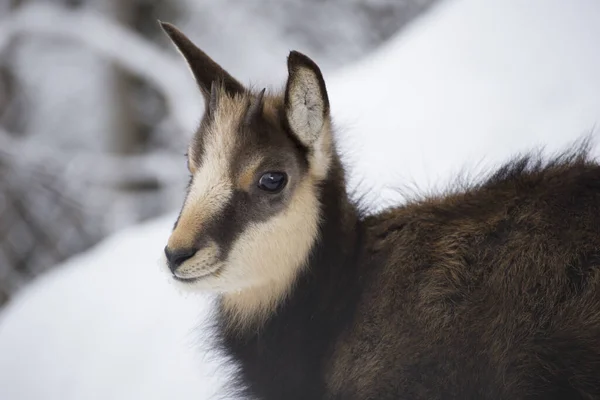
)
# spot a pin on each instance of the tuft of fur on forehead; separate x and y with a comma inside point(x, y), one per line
point(231, 113)
point(223, 122)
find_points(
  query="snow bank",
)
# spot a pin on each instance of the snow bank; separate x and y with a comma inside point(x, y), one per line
point(471, 84)
point(107, 325)
point(471, 81)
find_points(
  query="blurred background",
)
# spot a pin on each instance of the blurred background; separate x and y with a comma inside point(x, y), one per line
point(92, 127)
point(97, 108)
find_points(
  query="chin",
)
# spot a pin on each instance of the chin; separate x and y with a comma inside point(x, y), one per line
point(216, 282)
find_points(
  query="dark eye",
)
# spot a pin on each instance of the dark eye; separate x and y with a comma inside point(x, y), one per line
point(272, 182)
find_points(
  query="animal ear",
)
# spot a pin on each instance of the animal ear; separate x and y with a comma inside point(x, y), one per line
point(206, 71)
point(306, 101)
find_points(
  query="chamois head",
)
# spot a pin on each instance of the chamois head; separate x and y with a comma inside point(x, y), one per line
point(252, 211)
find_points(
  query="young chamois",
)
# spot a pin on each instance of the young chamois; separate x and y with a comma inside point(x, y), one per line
point(488, 292)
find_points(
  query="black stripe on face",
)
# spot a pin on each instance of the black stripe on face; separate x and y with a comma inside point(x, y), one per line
point(253, 205)
point(243, 209)
point(227, 226)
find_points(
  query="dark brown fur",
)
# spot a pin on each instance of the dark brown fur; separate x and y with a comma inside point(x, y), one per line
point(491, 291)
point(488, 293)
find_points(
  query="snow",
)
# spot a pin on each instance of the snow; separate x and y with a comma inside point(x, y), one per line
point(466, 86)
point(472, 84)
point(106, 325)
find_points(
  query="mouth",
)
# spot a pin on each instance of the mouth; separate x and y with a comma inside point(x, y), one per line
point(192, 279)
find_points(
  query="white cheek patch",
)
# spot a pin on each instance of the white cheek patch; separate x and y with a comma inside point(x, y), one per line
point(306, 108)
point(267, 257)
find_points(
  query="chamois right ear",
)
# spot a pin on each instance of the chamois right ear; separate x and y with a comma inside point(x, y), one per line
point(206, 71)
point(306, 100)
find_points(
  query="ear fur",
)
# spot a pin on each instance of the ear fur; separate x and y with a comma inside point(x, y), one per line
point(205, 69)
point(306, 101)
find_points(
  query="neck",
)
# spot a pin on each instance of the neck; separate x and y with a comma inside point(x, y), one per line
point(333, 248)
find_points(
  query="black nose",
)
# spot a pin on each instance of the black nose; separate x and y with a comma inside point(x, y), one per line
point(178, 256)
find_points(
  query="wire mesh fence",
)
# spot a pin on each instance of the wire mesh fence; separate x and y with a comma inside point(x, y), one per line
point(55, 204)
point(39, 226)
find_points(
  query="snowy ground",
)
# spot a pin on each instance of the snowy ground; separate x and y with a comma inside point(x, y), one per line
point(468, 85)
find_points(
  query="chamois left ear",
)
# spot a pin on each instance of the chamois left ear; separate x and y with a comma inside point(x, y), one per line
point(207, 72)
point(306, 101)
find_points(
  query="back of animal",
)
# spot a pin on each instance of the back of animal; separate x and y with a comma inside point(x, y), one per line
point(493, 292)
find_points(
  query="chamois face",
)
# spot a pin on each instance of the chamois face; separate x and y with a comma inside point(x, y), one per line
point(252, 210)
